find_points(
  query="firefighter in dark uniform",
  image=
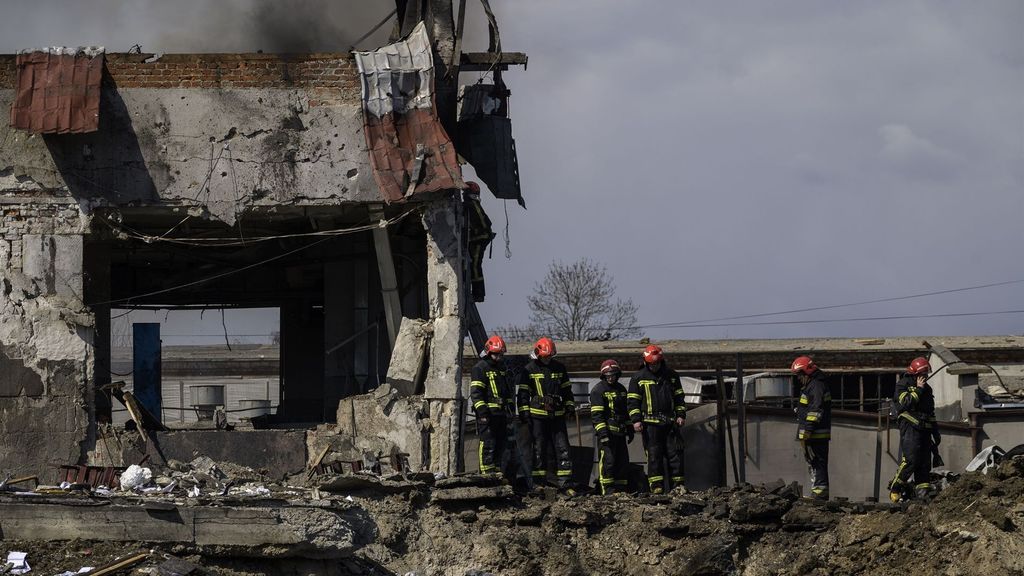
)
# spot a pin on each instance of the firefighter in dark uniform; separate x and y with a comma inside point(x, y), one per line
point(656, 408)
point(814, 422)
point(480, 235)
point(545, 401)
point(612, 429)
point(493, 400)
point(919, 433)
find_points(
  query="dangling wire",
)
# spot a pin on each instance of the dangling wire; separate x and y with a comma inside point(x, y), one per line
point(508, 239)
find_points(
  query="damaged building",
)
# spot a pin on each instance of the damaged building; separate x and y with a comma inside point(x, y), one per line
point(327, 186)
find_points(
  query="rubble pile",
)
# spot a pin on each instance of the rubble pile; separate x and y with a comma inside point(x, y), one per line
point(421, 524)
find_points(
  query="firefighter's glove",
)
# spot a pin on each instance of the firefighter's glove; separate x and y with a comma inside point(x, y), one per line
point(604, 439)
point(481, 418)
point(638, 426)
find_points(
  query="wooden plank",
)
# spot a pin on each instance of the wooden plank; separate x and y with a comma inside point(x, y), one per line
point(388, 277)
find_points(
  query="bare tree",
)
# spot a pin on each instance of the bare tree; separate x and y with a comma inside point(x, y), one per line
point(514, 333)
point(577, 302)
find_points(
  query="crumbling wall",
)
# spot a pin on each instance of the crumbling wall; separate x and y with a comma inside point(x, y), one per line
point(389, 420)
point(218, 132)
point(46, 352)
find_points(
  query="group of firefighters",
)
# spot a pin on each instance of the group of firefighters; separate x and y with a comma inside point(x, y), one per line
point(652, 406)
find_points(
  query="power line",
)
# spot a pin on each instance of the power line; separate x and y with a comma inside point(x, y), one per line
point(828, 320)
point(829, 307)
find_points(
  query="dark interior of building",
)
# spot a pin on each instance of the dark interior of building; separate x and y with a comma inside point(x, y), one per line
point(318, 265)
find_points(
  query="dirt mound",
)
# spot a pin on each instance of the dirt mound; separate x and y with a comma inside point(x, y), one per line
point(972, 527)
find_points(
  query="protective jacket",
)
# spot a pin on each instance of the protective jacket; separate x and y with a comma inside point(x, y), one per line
point(608, 409)
point(544, 390)
point(915, 406)
point(490, 390)
point(814, 414)
point(656, 397)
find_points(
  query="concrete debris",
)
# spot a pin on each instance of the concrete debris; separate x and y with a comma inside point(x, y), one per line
point(349, 483)
point(472, 494)
point(475, 524)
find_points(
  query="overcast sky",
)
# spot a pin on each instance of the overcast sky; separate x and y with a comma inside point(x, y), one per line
point(721, 158)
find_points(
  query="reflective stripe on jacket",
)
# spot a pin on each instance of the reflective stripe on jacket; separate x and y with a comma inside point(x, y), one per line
point(544, 390)
point(608, 409)
point(915, 405)
point(489, 389)
point(814, 413)
point(655, 398)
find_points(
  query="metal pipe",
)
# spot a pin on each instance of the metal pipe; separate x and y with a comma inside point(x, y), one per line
point(723, 473)
point(888, 431)
point(741, 425)
point(878, 457)
point(861, 392)
point(975, 438)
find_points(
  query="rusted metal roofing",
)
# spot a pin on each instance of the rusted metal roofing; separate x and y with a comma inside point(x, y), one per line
point(57, 91)
point(410, 152)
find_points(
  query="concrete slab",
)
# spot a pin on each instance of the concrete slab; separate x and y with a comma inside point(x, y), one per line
point(304, 532)
point(349, 483)
point(280, 452)
point(406, 370)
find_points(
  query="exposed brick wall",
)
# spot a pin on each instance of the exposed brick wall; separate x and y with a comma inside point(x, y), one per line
point(330, 78)
point(18, 219)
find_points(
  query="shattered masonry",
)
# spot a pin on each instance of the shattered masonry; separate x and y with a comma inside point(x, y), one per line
point(216, 145)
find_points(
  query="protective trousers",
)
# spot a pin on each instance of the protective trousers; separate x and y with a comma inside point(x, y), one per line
point(916, 447)
point(816, 454)
point(613, 464)
point(493, 434)
point(476, 255)
point(551, 446)
point(662, 445)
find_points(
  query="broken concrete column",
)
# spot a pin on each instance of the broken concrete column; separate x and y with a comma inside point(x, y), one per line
point(405, 371)
point(446, 292)
point(382, 422)
point(46, 338)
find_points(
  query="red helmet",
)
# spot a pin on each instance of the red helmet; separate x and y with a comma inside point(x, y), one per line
point(919, 365)
point(610, 367)
point(544, 348)
point(653, 354)
point(472, 187)
point(495, 345)
point(803, 364)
